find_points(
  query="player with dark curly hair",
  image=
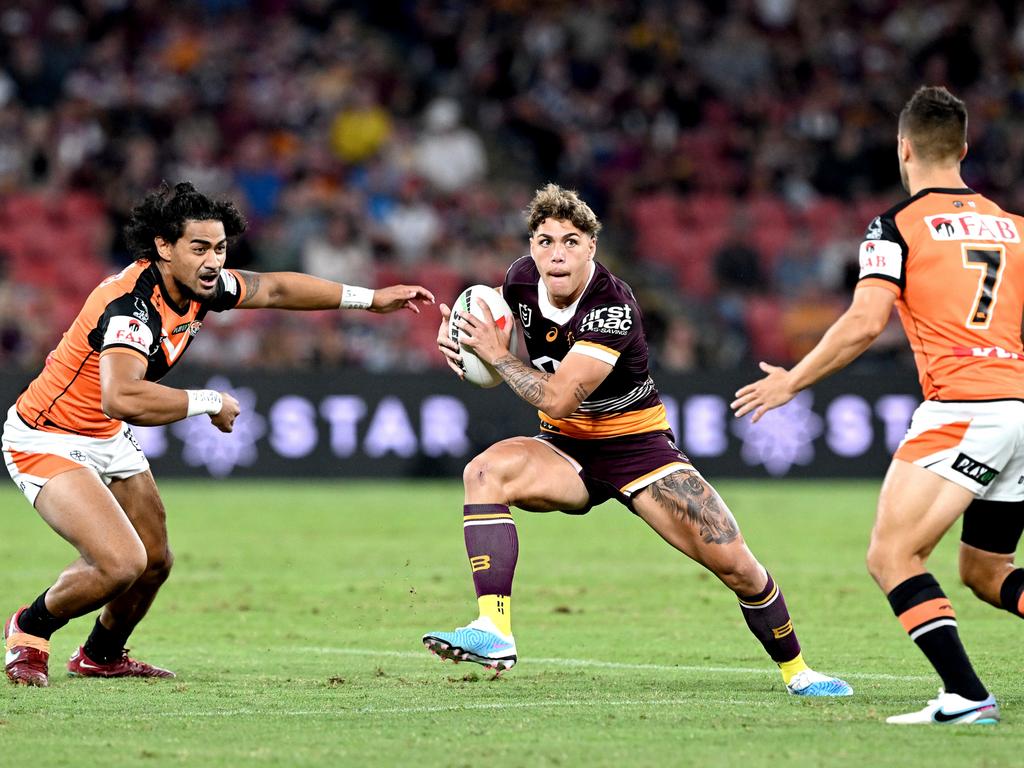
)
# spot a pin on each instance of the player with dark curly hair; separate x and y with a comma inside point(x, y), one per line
point(67, 441)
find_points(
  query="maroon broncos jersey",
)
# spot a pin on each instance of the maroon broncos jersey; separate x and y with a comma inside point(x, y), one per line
point(604, 323)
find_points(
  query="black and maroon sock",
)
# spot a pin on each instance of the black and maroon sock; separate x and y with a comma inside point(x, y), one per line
point(1011, 594)
point(492, 546)
point(36, 620)
point(768, 618)
point(927, 615)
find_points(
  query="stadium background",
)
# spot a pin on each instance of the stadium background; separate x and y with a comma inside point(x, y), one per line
point(735, 152)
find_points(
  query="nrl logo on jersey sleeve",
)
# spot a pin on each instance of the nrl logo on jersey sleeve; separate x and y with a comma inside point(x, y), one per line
point(525, 314)
point(141, 311)
point(874, 229)
point(616, 319)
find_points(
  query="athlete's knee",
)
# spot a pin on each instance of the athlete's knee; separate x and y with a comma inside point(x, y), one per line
point(738, 570)
point(492, 469)
point(158, 566)
point(878, 557)
point(122, 569)
point(982, 578)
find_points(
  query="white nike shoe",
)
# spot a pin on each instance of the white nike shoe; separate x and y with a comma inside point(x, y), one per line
point(951, 709)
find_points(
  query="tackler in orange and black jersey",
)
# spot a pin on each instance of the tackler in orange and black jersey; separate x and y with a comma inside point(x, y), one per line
point(129, 313)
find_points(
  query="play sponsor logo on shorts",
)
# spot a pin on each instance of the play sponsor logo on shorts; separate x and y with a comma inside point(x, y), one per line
point(978, 472)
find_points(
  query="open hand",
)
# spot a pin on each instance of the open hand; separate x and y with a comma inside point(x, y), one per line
point(396, 297)
point(764, 395)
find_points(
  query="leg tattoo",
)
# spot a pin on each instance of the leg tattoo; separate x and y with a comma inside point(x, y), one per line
point(693, 500)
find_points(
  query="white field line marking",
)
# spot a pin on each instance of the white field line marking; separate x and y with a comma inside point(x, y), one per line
point(493, 705)
point(617, 664)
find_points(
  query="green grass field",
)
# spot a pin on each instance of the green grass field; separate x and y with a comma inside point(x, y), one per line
point(294, 613)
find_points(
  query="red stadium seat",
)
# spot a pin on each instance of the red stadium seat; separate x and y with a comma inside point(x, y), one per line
point(655, 210)
point(824, 218)
point(764, 325)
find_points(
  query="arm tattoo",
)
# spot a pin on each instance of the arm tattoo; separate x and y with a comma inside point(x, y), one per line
point(252, 285)
point(526, 382)
point(580, 393)
point(693, 501)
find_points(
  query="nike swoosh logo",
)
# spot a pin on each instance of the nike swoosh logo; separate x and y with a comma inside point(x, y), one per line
point(86, 665)
point(11, 657)
point(942, 717)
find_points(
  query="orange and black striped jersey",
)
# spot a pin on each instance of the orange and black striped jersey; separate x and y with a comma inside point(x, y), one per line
point(129, 313)
point(955, 261)
point(605, 323)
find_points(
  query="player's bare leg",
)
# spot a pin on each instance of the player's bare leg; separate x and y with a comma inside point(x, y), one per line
point(82, 510)
point(520, 472)
point(915, 508)
point(985, 573)
point(988, 546)
point(688, 513)
point(103, 654)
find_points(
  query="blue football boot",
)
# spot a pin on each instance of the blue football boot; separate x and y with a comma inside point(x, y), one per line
point(479, 642)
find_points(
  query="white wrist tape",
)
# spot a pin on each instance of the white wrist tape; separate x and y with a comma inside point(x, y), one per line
point(354, 297)
point(204, 401)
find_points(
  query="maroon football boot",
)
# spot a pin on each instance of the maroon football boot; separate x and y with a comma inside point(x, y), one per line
point(27, 656)
point(81, 665)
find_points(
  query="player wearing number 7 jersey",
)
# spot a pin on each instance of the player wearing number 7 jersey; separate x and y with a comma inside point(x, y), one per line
point(952, 262)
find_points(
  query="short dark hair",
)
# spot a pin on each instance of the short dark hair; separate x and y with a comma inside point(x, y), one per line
point(165, 212)
point(935, 122)
point(554, 202)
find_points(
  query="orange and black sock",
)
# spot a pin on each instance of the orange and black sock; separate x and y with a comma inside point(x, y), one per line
point(927, 615)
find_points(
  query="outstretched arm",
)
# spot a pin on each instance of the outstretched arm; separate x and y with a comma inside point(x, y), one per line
point(848, 337)
point(294, 290)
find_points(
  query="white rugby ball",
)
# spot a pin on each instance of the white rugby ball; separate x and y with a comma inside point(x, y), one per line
point(477, 371)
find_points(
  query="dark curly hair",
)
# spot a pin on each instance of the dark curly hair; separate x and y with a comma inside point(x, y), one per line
point(164, 213)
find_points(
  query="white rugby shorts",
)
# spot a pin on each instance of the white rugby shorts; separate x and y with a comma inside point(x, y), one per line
point(33, 457)
point(979, 446)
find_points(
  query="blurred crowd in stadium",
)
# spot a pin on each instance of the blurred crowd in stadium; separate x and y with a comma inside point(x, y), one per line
point(734, 150)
